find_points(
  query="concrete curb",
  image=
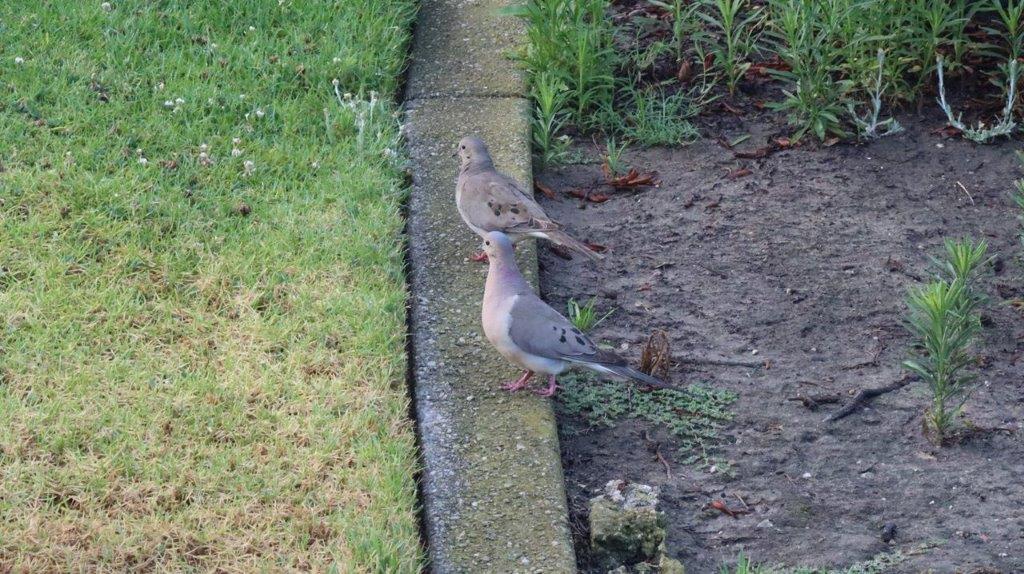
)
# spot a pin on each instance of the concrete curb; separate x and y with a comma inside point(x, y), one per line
point(493, 488)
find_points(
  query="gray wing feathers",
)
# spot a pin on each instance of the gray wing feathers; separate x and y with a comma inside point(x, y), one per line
point(540, 330)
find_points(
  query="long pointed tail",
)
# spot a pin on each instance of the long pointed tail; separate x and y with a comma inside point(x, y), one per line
point(564, 239)
point(635, 375)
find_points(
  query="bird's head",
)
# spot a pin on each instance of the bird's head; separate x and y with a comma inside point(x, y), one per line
point(498, 246)
point(473, 150)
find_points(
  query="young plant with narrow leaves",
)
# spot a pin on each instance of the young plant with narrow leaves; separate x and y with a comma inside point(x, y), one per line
point(585, 317)
point(945, 320)
point(613, 158)
point(549, 117)
point(735, 26)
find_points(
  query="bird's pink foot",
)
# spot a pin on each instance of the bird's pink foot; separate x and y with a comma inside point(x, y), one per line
point(519, 383)
point(479, 257)
point(552, 387)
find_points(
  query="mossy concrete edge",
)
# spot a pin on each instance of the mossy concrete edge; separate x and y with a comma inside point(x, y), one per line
point(493, 489)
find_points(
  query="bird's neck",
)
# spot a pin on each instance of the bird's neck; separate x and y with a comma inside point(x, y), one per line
point(504, 278)
point(476, 166)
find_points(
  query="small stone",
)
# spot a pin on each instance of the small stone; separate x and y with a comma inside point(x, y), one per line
point(670, 566)
point(807, 475)
point(765, 524)
point(625, 526)
point(889, 532)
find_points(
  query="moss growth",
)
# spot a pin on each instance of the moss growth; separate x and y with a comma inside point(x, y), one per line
point(693, 415)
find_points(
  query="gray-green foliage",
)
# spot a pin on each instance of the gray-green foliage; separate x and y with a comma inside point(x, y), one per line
point(944, 319)
point(693, 415)
point(880, 564)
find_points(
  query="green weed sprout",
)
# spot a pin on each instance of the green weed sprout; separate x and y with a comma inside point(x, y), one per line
point(549, 116)
point(736, 36)
point(803, 31)
point(613, 158)
point(945, 321)
point(585, 317)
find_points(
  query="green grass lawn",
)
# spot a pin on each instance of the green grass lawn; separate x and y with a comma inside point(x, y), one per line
point(201, 293)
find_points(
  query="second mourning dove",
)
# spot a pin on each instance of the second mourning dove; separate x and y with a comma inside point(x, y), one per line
point(532, 335)
point(490, 201)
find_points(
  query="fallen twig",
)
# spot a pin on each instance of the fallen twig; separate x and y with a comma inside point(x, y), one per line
point(668, 471)
point(814, 401)
point(966, 192)
point(721, 362)
point(866, 395)
point(656, 448)
point(868, 363)
point(733, 512)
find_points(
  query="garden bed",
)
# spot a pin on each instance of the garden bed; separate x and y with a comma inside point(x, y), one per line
point(804, 256)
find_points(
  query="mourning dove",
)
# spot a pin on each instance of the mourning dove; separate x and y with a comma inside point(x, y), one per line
point(532, 335)
point(490, 201)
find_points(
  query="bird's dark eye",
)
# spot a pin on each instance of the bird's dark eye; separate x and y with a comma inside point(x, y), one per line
point(463, 147)
point(487, 242)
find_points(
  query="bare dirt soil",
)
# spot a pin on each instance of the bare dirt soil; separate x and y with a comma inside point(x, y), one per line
point(807, 260)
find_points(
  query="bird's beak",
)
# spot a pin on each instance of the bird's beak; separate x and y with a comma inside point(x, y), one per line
point(455, 152)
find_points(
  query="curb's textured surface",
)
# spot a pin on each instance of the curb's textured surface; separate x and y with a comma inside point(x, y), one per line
point(462, 48)
point(493, 490)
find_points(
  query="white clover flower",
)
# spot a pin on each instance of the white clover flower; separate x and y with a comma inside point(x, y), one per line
point(158, 87)
point(235, 152)
point(19, 60)
point(315, 165)
point(179, 101)
point(106, 7)
point(259, 113)
point(249, 166)
point(213, 46)
point(335, 82)
point(203, 148)
point(252, 28)
point(336, 60)
point(236, 141)
point(143, 161)
point(241, 96)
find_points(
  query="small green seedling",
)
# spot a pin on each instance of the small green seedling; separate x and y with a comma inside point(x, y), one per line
point(613, 156)
point(945, 319)
point(585, 317)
